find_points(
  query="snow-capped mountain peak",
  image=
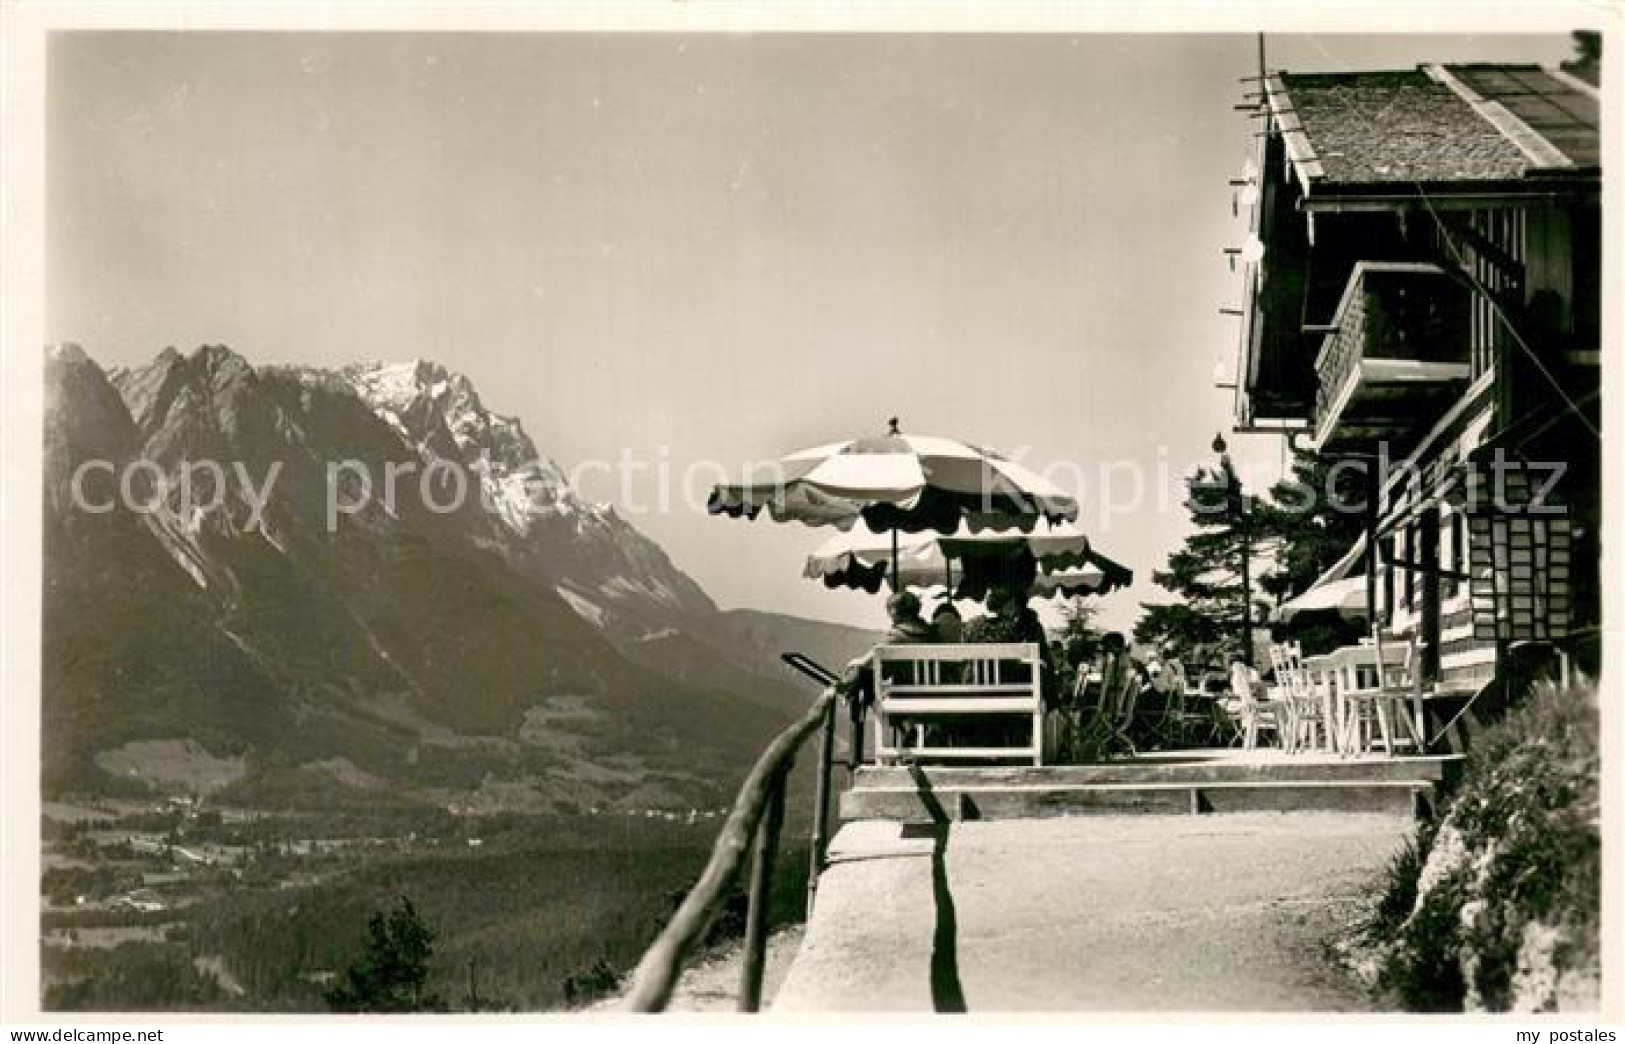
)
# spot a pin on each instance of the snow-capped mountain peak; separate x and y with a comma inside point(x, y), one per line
point(440, 413)
point(541, 517)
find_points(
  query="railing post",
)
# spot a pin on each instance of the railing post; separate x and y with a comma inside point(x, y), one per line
point(759, 912)
point(821, 789)
point(755, 822)
point(855, 741)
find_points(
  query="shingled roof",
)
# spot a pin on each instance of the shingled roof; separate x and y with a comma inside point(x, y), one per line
point(1434, 125)
point(1562, 109)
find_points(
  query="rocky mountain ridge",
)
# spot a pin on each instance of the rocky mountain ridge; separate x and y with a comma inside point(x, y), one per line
point(522, 649)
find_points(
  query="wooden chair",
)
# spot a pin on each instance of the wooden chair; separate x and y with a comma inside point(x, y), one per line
point(1180, 679)
point(1282, 693)
point(1308, 726)
point(1162, 714)
point(1258, 715)
point(1122, 701)
point(1063, 723)
point(1382, 714)
point(1102, 731)
point(1310, 715)
point(1191, 719)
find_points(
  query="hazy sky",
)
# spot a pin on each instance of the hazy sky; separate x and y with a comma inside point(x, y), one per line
point(700, 247)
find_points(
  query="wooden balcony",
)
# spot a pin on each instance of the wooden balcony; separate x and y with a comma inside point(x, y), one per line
point(1396, 358)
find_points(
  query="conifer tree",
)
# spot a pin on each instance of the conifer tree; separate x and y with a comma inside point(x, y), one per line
point(392, 972)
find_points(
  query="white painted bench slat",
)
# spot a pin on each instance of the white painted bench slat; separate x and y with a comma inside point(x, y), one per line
point(1027, 651)
point(967, 753)
point(1023, 690)
point(961, 705)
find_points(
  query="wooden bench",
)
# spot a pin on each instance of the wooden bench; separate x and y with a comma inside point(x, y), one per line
point(948, 682)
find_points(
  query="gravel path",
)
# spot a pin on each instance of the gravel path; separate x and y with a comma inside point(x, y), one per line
point(1134, 913)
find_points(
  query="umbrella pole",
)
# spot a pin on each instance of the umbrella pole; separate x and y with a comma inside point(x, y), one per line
point(896, 581)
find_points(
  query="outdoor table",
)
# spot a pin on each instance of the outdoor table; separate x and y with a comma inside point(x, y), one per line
point(1352, 668)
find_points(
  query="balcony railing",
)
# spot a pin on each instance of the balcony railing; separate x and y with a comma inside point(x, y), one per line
point(750, 836)
point(1401, 330)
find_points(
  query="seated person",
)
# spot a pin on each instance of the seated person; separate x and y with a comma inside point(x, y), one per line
point(947, 623)
point(950, 630)
point(1159, 694)
point(908, 627)
point(1010, 620)
point(1174, 680)
point(1161, 675)
point(1246, 686)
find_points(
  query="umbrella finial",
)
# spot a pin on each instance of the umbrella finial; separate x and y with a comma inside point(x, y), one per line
point(891, 426)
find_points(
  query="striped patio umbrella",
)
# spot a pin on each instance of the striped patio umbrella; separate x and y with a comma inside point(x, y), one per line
point(1100, 576)
point(899, 483)
point(1059, 559)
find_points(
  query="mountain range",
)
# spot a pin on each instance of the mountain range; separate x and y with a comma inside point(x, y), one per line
point(518, 649)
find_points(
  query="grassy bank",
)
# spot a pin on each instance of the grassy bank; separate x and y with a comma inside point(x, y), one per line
point(1495, 905)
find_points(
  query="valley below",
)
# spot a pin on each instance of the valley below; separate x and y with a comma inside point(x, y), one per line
point(167, 906)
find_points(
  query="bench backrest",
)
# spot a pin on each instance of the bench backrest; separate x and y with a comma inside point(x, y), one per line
point(961, 669)
point(915, 684)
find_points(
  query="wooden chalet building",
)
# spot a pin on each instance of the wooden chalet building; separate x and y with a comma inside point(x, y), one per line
point(1428, 294)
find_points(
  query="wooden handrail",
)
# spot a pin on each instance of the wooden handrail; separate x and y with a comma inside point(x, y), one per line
point(656, 974)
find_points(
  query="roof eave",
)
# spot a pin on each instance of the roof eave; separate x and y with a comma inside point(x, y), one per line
point(1565, 185)
point(1300, 153)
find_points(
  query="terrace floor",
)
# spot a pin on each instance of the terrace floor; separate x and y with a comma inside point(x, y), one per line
point(1144, 913)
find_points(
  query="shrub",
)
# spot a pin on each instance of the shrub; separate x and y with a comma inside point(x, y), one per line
point(598, 981)
point(1498, 907)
